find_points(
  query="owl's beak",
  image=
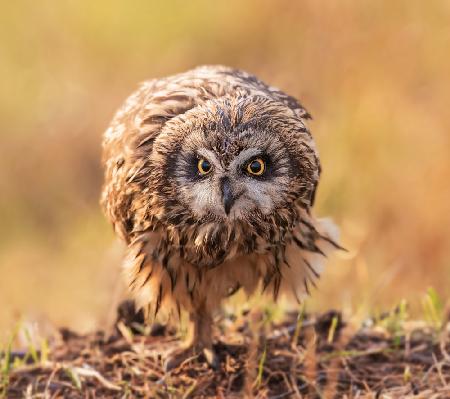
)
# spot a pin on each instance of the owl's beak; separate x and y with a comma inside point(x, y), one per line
point(227, 195)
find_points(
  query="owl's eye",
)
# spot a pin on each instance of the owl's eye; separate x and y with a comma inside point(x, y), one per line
point(256, 167)
point(204, 166)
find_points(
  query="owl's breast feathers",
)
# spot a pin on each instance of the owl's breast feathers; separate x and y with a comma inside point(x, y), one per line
point(174, 259)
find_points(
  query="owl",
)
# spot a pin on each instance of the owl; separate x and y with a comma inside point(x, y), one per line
point(210, 177)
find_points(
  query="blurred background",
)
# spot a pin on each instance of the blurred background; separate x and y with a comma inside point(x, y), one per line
point(374, 75)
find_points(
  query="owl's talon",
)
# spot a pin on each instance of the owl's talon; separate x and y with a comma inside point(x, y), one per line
point(211, 358)
point(179, 356)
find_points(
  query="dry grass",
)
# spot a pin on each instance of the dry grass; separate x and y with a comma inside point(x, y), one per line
point(305, 356)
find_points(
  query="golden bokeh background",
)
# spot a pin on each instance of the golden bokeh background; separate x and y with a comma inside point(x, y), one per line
point(375, 76)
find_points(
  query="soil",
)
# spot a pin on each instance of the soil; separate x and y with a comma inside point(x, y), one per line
point(313, 356)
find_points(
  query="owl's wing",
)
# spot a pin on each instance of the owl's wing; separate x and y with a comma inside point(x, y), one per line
point(126, 144)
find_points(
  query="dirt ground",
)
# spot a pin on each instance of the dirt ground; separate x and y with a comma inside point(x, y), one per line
point(312, 356)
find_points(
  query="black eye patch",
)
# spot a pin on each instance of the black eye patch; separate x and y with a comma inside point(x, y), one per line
point(195, 167)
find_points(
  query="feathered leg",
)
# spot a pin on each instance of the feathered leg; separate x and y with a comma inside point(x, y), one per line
point(199, 341)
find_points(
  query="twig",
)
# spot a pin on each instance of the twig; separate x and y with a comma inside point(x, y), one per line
point(88, 372)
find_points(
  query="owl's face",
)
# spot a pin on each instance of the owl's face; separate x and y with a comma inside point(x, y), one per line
point(231, 175)
point(236, 160)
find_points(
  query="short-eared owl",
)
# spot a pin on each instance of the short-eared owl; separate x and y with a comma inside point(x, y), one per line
point(210, 179)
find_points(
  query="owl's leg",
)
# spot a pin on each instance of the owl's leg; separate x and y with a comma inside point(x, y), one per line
point(199, 342)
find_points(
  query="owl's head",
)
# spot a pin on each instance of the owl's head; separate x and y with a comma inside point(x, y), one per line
point(234, 160)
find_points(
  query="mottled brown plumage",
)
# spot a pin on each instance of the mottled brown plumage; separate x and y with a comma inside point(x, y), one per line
point(194, 239)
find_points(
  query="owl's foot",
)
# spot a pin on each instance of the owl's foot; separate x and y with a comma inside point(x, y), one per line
point(179, 356)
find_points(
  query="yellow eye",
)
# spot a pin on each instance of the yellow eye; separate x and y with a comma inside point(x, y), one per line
point(204, 166)
point(256, 167)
